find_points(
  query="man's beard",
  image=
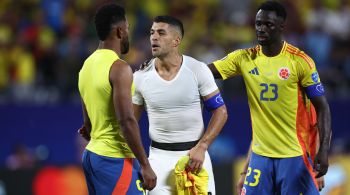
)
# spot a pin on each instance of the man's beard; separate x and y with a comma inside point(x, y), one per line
point(125, 46)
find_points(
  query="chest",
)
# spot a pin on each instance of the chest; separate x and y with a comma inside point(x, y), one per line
point(182, 90)
point(280, 71)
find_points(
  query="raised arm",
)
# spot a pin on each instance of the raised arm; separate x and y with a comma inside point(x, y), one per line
point(214, 71)
point(218, 119)
point(121, 79)
point(324, 126)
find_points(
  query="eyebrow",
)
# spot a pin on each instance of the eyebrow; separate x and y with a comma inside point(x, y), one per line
point(158, 30)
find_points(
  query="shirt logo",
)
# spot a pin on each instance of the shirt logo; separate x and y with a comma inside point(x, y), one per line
point(283, 73)
point(314, 77)
point(219, 99)
point(320, 88)
point(254, 71)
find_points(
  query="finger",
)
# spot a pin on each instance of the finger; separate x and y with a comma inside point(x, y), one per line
point(145, 185)
point(196, 167)
point(321, 173)
point(320, 186)
point(191, 165)
point(199, 168)
point(239, 190)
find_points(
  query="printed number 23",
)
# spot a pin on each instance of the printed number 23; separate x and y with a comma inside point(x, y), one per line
point(274, 89)
point(256, 175)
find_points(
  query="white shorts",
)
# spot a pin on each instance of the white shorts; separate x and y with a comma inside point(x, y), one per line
point(163, 163)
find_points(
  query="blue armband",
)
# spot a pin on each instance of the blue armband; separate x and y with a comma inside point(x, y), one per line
point(314, 90)
point(214, 102)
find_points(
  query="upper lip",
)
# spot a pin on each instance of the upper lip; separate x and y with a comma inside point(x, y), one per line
point(261, 35)
point(154, 45)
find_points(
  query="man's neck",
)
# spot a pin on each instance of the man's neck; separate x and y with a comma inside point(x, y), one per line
point(168, 67)
point(110, 45)
point(169, 63)
point(273, 49)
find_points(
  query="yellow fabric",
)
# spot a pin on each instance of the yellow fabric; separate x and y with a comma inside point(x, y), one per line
point(188, 183)
point(96, 92)
point(274, 97)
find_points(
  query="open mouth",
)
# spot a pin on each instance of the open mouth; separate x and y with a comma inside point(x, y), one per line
point(155, 46)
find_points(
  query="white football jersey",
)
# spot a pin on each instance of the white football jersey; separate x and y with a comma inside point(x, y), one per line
point(173, 107)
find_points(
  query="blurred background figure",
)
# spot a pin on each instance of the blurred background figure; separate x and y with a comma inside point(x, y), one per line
point(21, 158)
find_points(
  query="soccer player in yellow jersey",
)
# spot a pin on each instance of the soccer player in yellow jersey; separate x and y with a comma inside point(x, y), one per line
point(109, 124)
point(279, 79)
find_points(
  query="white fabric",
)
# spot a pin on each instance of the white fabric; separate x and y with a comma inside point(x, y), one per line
point(173, 107)
point(163, 163)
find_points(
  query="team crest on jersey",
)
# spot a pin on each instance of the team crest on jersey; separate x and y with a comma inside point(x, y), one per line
point(284, 73)
point(314, 77)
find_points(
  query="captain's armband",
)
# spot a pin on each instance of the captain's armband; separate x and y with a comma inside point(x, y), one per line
point(314, 90)
point(214, 102)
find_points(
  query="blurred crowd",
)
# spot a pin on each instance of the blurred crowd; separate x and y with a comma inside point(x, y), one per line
point(43, 43)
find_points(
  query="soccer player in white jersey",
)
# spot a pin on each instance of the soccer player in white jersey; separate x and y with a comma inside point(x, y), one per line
point(170, 87)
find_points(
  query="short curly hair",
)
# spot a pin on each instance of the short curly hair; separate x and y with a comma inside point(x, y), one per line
point(105, 17)
point(276, 7)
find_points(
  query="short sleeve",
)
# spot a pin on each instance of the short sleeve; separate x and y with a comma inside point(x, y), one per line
point(229, 65)
point(137, 97)
point(206, 81)
point(309, 77)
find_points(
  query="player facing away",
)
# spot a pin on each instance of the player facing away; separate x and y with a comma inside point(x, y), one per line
point(170, 87)
point(110, 126)
point(278, 78)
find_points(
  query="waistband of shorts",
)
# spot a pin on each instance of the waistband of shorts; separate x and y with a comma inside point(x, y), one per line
point(180, 146)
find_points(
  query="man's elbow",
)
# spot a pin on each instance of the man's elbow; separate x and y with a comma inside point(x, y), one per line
point(127, 123)
point(222, 113)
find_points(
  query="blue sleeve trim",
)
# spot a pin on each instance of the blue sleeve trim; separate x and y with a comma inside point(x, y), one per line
point(315, 90)
point(214, 102)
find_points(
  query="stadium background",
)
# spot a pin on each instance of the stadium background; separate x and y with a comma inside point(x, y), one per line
point(43, 44)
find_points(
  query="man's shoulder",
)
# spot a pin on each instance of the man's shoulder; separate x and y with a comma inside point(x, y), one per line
point(250, 52)
point(146, 65)
point(299, 55)
point(192, 63)
point(143, 71)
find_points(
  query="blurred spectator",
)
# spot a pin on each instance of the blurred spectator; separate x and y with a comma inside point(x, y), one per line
point(43, 42)
point(21, 158)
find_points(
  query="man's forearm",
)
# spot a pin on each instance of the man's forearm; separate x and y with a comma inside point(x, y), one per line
point(215, 125)
point(132, 136)
point(324, 126)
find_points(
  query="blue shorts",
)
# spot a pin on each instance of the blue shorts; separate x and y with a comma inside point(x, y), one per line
point(282, 176)
point(106, 175)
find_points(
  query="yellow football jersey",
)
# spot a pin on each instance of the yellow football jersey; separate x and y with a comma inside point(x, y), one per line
point(276, 88)
point(96, 92)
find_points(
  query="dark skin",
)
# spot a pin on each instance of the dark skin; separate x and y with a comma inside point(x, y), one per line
point(269, 28)
point(120, 78)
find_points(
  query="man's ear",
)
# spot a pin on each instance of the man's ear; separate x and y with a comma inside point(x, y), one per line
point(282, 26)
point(177, 41)
point(119, 32)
